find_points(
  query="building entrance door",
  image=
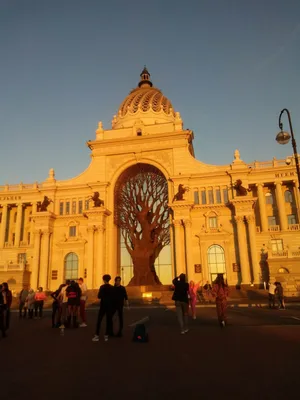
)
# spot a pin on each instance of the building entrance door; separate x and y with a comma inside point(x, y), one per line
point(216, 261)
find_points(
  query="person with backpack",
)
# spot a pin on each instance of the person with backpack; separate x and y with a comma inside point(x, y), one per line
point(106, 296)
point(220, 292)
point(181, 298)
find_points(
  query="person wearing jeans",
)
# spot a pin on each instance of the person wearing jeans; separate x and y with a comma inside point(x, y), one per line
point(120, 296)
point(181, 298)
point(39, 302)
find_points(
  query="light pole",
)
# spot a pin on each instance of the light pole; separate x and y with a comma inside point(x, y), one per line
point(283, 137)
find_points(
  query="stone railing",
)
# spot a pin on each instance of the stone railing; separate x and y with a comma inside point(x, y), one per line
point(283, 253)
point(274, 228)
point(294, 227)
point(8, 244)
point(12, 267)
point(296, 253)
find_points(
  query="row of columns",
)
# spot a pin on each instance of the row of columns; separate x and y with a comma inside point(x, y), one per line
point(20, 208)
point(40, 267)
point(280, 204)
point(183, 245)
point(95, 269)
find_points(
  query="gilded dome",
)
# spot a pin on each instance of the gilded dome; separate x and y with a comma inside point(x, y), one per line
point(143, 102)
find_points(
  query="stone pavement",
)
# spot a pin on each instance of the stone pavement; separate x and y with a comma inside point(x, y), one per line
point(255, 357)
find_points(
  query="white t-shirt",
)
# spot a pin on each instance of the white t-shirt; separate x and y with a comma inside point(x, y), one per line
point(83, 288)
point(272, 288)
point(63, 294)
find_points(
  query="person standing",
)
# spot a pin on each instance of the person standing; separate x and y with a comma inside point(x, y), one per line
point(64, 304)
point(272, 288)
point(30, 302)
point(193, 289)
point(22, 302)
point(220, 292)
point(120, 296)
point(106, 296)
point(279, 296)
point(40, 297)
point(56, 307)
point(73, 293)
point(83, 299)
point(2, 325)
point(7, 300)
point(181, 298)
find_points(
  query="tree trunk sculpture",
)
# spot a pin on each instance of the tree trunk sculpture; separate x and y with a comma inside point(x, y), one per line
point(142, 214)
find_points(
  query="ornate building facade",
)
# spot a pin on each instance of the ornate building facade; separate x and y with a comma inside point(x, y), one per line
point(240, 219)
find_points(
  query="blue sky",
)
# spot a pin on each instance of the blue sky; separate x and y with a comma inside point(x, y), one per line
point(228, 66)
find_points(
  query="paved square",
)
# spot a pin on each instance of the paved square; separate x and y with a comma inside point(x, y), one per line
point(255, 357)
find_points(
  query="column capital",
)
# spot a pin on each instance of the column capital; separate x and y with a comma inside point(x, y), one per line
point(37, 231)
point(278, 182)
point(100, 228)
point(259, 184)
point(177, 222)
point(239, 219)
point(91, 228)
point(187, 223)
point(250, 219)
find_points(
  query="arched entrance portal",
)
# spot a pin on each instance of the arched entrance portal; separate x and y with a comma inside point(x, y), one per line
point(142, 217)
point(71, 266)
point(216, 261)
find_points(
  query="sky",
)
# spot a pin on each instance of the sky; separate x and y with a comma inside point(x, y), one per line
point(228, 66)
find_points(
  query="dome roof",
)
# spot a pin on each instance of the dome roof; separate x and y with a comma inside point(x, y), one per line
point(143, 101)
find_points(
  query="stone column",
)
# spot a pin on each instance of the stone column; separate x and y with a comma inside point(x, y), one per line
point(18, 225)
point(179, 246)
point(189, 246)
point(297, 200)
point(262, 208)
point(252, 238)
point(34, 210)
point(281, 206)
point(3, 225)
point(36, 260)
point(90, 257)
point(43, 278)
point(243, 251)
point(100, 257)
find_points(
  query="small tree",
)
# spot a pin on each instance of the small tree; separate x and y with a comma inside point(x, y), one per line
point(142, 214)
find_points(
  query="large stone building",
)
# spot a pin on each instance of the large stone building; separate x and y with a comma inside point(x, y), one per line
point(247, 236)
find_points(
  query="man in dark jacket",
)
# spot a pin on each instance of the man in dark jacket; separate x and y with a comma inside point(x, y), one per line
point(106, 296)
point(181, 290)
point(120, 296)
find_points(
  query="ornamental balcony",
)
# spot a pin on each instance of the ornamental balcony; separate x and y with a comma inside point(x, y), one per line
point(294, 227)
point(279, 254)
point(274, 228)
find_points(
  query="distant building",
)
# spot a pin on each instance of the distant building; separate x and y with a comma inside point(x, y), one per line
point(249, 236)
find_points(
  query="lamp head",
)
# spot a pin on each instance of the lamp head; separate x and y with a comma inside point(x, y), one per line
point(283, 137)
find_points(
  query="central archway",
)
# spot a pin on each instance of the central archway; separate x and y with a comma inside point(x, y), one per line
point(142, 216)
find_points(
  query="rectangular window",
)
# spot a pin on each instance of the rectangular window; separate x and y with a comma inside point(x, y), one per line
point(196, 197)
point(67, 207)
point(272, 220)
point(61, 208)
point(28, 237)
point(72, 231)
point(225, 195)
point(277, 245)
point(291, 219)
point(87, 203)
point(218, 196)
point(203, 196)
point(213, 222)
point(80, 207)
point(74, 207)
point(22, 258)
point(211, 196)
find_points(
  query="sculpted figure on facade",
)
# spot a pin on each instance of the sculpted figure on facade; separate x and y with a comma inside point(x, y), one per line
point(179, 195)
point(240, 190)
point(96, 199)
point(45, 203)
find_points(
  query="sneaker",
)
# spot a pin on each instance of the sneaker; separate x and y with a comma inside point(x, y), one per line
point(95, 338)
point(83, 325)
point(182, 332)
point(186, 331)
point(223, 324)
point(105, 338)
point(62, 326)
point(194, 317)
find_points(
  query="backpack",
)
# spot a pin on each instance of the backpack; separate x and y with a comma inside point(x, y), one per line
point(140, 334)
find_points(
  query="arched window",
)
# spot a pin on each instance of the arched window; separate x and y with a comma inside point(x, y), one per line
point(269, 198)
point(216, 261)
point(288, 197)
point(71, 266)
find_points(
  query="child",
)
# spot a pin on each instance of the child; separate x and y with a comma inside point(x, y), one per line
point(39, 302)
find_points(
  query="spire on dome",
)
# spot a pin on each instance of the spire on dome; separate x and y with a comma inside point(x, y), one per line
point(145, 78)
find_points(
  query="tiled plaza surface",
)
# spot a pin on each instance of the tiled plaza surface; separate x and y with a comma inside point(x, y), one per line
point(255, 357)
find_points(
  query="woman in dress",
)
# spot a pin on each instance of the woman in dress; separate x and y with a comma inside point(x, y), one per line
point(220, 292)
point(73, 294)
point(193, 289)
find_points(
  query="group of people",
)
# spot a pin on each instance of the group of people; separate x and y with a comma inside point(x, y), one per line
point(5, 304)
point(186, 294)
point(276, 296)
point(31, 303)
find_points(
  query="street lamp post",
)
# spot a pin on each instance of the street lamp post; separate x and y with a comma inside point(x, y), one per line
point(283, 137)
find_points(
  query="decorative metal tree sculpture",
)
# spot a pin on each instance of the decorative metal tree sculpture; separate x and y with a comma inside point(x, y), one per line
point(142, 214)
